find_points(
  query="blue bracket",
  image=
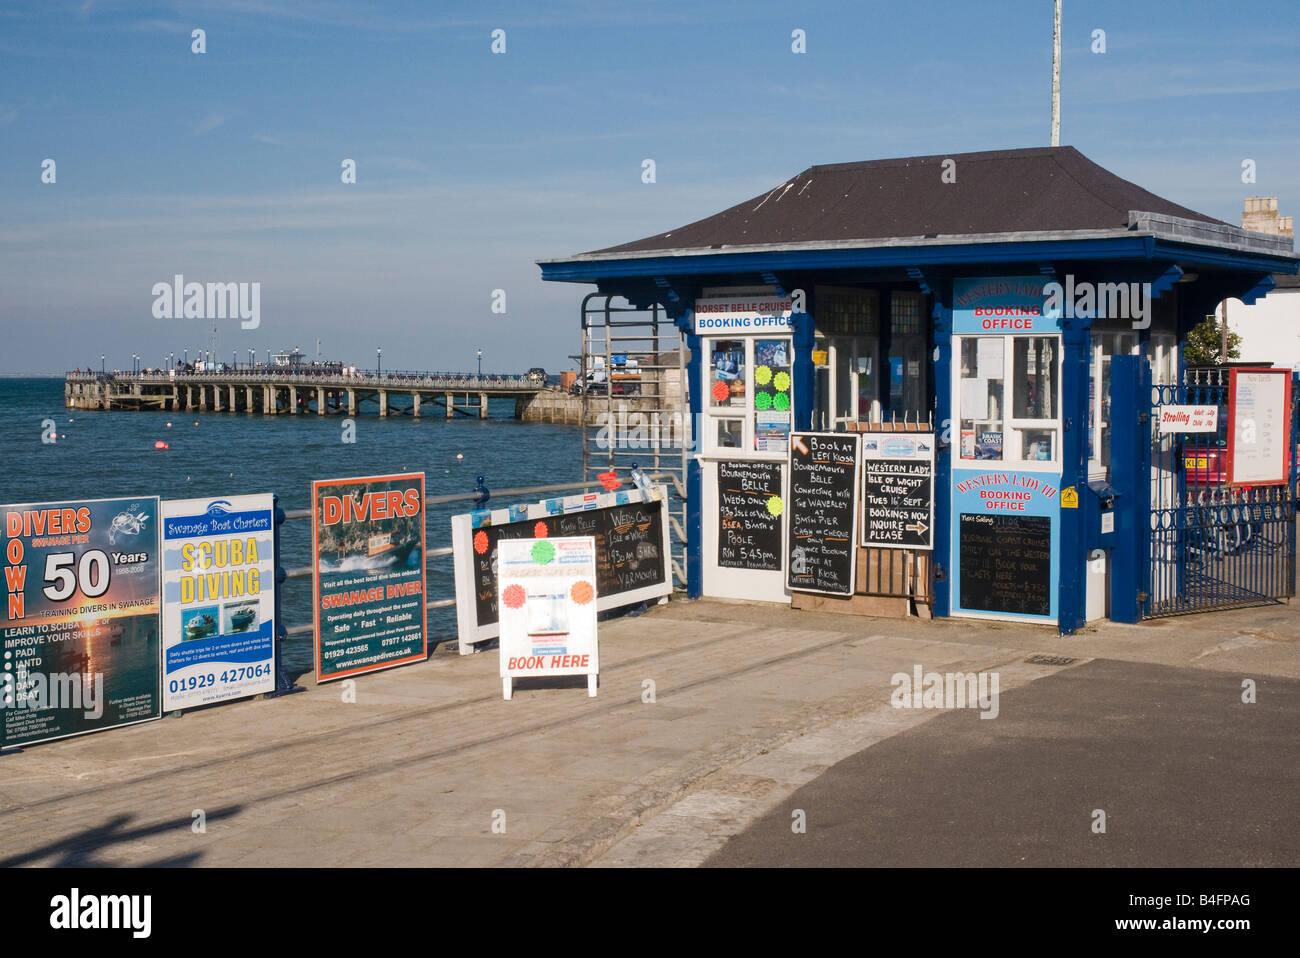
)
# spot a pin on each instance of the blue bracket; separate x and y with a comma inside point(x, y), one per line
point(914, 273)
point(1259, 290)
point(1165, 281)
point(771, 280)
point(283, 685)
point(662, 283)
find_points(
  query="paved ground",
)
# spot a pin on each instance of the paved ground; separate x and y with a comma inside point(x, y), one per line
point(751, 704)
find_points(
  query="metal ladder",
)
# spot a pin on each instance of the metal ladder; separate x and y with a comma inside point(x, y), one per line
point(649, 427)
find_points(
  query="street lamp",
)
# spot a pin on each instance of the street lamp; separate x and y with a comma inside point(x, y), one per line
point(101, 364)
point(379, 364)
point(480, 364)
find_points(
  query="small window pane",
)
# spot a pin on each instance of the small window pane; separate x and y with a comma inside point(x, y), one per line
point(980, 398)
point(1035, 378)
point(727, 373)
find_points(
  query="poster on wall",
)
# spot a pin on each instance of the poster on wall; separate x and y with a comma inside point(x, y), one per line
point(369, 582)
point(823, 548)
point(1007, 531)
point(898, 490)
point(546, 589)
point(1259, 427)
point(218, 588)
point(750, 505)
point(632, 551)
point(80, 637)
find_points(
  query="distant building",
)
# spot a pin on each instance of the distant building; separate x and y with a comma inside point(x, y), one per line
point(1269, 330)
point(288, 357)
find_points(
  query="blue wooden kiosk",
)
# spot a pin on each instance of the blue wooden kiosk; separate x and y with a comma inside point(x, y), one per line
point(1027, 307)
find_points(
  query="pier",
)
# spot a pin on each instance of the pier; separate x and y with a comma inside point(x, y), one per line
point(300, 391)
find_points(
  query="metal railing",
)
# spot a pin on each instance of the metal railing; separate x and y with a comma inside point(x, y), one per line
point(523, 492)
point(399, 379)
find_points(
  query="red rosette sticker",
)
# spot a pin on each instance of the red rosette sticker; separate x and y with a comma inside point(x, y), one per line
point(721, 391)
point(610, 480)
point(582, 592)
point(514, 596)
point(480, 542)
point(539, 531)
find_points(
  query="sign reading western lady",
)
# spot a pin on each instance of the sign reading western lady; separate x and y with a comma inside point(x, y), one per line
point(369, 573)
point(1006, 457)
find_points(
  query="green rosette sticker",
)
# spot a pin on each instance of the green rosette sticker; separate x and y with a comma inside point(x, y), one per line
point(543, 551)
point(781, 403)
point(762, 401)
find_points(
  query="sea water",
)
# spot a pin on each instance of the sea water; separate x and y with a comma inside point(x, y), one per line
point(216, 455)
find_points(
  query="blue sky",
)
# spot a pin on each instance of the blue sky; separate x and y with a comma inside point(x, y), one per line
point(471, 166)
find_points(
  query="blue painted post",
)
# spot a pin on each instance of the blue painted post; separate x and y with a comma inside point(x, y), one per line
point(805, 373)
point(1071, 608)
point(943, 418)
point(1130, 477)
point(283, 685)
point(694, 472)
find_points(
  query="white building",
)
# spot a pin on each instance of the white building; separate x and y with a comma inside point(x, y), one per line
point(1269, 330)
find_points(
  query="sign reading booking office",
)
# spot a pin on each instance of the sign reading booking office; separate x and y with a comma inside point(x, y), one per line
point(743, 314)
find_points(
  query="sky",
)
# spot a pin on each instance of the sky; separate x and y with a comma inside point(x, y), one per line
point(226, 165)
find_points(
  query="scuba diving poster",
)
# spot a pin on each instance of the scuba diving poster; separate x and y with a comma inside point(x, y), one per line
point(79, 645)
point(218, 575)
point(369, 582)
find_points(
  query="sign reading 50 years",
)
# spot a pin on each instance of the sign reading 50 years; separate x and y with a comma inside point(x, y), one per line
point(79, 640)
point(218, 599)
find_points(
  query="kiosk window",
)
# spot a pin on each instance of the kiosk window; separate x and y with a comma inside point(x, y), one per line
point(750, 386)
point(1008, 395)
point(727, 380)
point(980, 398)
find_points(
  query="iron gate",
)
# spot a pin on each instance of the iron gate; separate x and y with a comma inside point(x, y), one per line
point(1213, 546)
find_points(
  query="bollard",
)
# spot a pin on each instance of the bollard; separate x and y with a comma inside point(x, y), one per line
point(283, 686)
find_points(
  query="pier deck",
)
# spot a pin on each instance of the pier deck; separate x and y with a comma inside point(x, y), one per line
point(751, 703)
point(299, 391)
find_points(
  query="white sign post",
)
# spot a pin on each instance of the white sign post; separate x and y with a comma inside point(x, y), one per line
point(546, 593)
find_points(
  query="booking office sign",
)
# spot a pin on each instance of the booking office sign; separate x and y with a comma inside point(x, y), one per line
point(79, 640)
point(218, 575)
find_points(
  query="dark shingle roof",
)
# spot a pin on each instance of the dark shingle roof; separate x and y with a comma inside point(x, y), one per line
point(1002, 191)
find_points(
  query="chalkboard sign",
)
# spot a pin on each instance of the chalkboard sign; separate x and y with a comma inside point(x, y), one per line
point(749, 507)
point(1006, 563)
point(898, 490)
point(632, 557)
point(823, 512)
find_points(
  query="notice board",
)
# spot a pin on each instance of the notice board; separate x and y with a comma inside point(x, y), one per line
point(1259, 427)
point(369, 581)
point(750, 504)
point(632, 551)
point(823, 512)
point(1006, 563)
point(898, 490)
point(80, 627)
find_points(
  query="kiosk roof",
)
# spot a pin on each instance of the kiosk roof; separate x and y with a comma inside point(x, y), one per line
point(1047, 189)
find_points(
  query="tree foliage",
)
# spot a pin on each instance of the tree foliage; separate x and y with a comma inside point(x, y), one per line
point(1205, 341)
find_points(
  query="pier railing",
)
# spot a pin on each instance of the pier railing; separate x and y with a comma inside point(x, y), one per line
point(403, 379)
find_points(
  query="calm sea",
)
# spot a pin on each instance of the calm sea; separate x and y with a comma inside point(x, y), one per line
point(215, 455)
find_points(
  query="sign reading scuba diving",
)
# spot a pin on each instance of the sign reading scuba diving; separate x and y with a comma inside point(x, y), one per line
point(79, 638)
point(218, 585)
point(369, 581)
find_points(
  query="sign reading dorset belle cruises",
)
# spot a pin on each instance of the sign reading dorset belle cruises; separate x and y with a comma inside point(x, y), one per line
point(79, 637)
point(369, 573)
point(741, 315)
